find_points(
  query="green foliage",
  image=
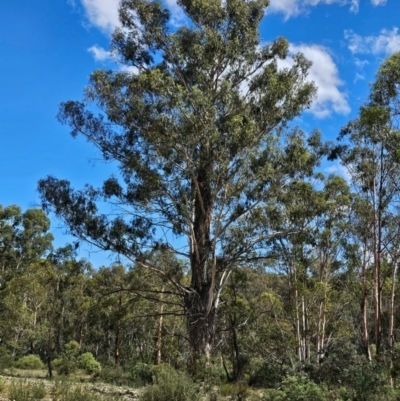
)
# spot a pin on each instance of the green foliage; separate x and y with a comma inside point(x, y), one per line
point(29, 362)
point(265, 374)
point(88, 363)
point(209, 372)
point(65, 367)
point(236, 391)
point(344, 367)
point(68, 363)
point(71, 350)
point(299, 388)
point(6, 360)
point(142, 374)
point(117, 376)
point(23, 391)
point(170, 384)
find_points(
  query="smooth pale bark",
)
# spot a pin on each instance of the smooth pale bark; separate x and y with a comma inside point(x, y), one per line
point(377, 283)
point(321, 330)
point(364, 306)
point(391, 322)
point(304, 329)
point(159, 331)
point(392, 307)
point(118, 331)
point(321, 325)
point(297, 314)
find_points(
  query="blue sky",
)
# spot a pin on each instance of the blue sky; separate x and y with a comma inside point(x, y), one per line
point(49, 48)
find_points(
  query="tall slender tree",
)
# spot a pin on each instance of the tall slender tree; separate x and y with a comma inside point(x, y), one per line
point(372, 158)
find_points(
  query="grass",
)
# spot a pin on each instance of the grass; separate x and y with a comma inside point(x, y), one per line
point(26, 373)
point(22, 389)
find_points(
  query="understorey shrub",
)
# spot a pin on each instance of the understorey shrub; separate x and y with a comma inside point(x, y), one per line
point(88, 363)
point(170, 384)
point(29, 362)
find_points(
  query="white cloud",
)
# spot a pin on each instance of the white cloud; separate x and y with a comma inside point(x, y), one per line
point(177, 14)
point(325, 75)
point(128, 69)
point(99, 53)
point(292, 8)
point(102, 13)
point(360, 63)
point(341, 170)
point(358, 77)
point(378, 2)
point(387, 42)
point(354, 6)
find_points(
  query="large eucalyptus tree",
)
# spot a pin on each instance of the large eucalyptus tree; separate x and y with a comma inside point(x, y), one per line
point(193, 126)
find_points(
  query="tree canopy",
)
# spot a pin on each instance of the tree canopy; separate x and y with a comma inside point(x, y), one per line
point(197, 128)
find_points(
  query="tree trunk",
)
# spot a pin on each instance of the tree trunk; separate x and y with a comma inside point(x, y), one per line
point(200, 299)
point(377, 285)
point(364, 305)
point(118, 332)
point(322, 307)
point(80, 341)
point(304, 328)
point(48, 351)
point(159, 331)
point(237, 361)
point(201, 323)
point(391, 323)
point(297, 317)
point(392, 297)
point(321, 330)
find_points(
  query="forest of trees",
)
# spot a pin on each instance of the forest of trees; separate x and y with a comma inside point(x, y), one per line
point(238, 259)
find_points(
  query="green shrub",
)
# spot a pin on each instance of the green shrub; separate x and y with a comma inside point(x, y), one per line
point(346, 367)
point(169, 385)
point(209, 372)
point(116, 376)
point(88, 363)
point(67, 364)
point(65, 367)
point(56, 362)
point(236, 391)
point(142, 374)
point(71, 350)
point(272, 394)
point(299, 388)
point(30, 362)
point(265, 375)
